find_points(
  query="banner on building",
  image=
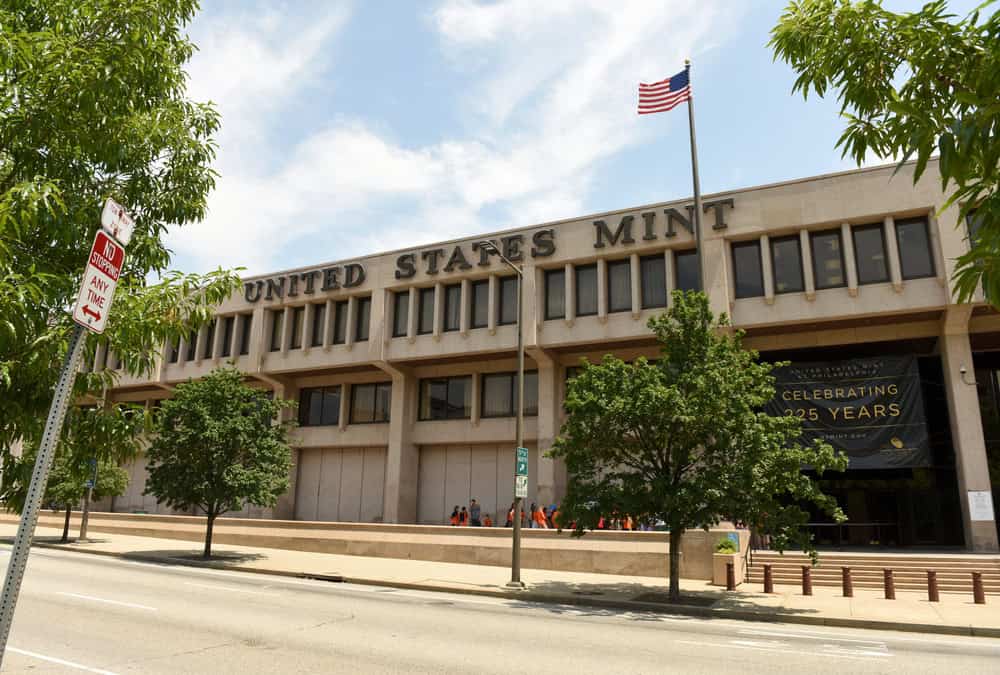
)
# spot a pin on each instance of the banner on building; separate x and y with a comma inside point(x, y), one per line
point(870, 408)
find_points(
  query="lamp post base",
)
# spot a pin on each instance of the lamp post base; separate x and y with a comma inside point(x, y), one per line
point(515, 585)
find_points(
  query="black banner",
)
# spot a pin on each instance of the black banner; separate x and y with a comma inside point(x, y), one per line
point(870, 408)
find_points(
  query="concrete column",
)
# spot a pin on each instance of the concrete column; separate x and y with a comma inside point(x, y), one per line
point(937, 251)
point(668, 270)
point(635, 276)
point(717, 257)
point(549, 407)
point(307, 326)
point(463, 313)
point(402, 456)
point(807, 265)
point(201, 348)
point(328, 319)
point(538, 275)
point(438, 310)
point(234, 339)
point(259, 334)
point(286, 330)
point(850, 262)
point(602, 290)
point(570, 294)
point(892, 251)
point(971, 462)
point(491, 320)
point(352, 313)
point(767, 269)
point(101, 355)
point(285, 508)
point(345, 407)
point(477, 397)
point(411, 317)
point(219, 336)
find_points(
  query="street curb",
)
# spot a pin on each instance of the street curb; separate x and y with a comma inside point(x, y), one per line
point(541, 597)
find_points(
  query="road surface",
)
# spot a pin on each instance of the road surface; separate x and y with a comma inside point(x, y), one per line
point(83, 613)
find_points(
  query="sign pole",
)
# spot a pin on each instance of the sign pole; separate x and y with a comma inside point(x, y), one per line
point(36, 489)
point(85, 516)
point(515, 554)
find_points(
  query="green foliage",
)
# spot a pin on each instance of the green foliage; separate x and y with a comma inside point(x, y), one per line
point(92, 105)
point(725, 546)
point(218, 446)
point(910, 85)
point(110, 437)
point(684, 440)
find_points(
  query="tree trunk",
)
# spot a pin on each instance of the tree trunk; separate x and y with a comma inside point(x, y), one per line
point(208, 536)
point(65, 537)
point(675, 563)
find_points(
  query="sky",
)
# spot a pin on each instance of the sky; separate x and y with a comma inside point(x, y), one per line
point(352, 128)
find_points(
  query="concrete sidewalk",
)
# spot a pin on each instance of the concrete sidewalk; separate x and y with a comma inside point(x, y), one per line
point(955, 614)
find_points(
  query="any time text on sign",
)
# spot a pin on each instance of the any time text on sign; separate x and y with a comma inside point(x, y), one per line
point(99, 282)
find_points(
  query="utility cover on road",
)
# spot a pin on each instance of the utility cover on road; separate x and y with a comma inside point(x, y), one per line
point(99, 282)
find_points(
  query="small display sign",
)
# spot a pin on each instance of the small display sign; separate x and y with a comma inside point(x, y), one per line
point(522, 462)
point(521, 486)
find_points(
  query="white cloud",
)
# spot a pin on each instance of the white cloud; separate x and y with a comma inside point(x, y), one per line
point(551, 93)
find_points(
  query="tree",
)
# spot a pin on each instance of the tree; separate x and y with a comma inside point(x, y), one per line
point(89, 435)
point(217, 446)
point(684, 440)
point(92, 105)
point(912, 84)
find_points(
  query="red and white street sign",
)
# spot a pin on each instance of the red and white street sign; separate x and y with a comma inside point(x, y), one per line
point(99, 282)
point(115, 220)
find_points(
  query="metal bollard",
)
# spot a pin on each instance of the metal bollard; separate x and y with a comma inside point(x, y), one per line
point(932, 589)
point(978, 594)
point(845, 582)
point(730, 577)
point(768, 580)
point(807, 581)
point(890, 585)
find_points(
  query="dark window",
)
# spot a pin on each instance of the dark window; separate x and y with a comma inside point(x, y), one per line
point(319, 406)
point(446, 398)
point(653, 275)
point(452, 307)
point(363, 306)
point(174, 351)
point(277, 318)
point(915, 259)
point(786, 261)
point(192, 345)
point(507, 311)
point(869, 253)
point(974, 221)
point(586, 290)
point(748, 274)
point(370, 402)
point(686, 271)
point(318, 324)
point(425, 323)
point(298, 319)
point(400, 313)
point(246, 321)
point(340, 322)
point(499, 394)
point(244, 326)
point(555, 294)
point(210, 338)
point(828, 259)
point(479, 316)
point(228, 325)
point(619, 286)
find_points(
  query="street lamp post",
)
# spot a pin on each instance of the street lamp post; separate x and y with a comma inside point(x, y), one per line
point(515, 555)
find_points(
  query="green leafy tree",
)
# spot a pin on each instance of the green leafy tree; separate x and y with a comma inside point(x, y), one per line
point(218, 445)
point(683, 440)
point(89, 435)
point(912, 84)
point(93, 105)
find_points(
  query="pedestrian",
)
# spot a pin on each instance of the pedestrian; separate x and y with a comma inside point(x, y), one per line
point(534, 507)
point(487, 521)
point(454, 517)
point(538, 518)
point(510, 516)
point(474, 512)
point(463, 518)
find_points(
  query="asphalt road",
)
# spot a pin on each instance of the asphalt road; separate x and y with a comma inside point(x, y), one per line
point(81, 613)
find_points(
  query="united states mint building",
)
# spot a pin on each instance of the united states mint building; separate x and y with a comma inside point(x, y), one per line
point(404, 362)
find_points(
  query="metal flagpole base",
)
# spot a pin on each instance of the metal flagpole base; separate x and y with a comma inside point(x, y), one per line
point(515, 585)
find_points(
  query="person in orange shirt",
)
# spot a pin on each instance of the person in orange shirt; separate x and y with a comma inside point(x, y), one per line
point(539, 517)
point(454, 517)
point(487, 521)
point(463, 518)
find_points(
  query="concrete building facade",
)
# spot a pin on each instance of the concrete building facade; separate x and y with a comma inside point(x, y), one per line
point(403, 362)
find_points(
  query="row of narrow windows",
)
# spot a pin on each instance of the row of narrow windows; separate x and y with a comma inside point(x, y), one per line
point(238, 325)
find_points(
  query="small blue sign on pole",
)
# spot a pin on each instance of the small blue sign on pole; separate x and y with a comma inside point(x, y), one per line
point(522, 462)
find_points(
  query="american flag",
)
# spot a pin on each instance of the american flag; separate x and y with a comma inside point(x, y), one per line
point(664, 95)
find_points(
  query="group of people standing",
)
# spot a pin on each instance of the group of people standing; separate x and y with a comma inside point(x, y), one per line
point(540, 517)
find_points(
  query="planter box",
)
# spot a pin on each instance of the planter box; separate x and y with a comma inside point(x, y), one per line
point(719, 562)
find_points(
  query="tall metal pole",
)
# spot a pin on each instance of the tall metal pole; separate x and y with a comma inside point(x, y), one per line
point(515, 554)
point(697, 184)
point(36, 489)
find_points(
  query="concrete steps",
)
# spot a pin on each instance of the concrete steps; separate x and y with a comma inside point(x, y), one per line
point(954, 571)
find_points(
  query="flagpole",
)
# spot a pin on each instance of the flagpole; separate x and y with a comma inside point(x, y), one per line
point(697, 185)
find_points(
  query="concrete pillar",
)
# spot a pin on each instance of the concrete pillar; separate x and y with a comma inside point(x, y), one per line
point(570, 294)
point(937, 250)
point(285, 508)
point(808, 275)
point(307, 327)
point(602, 290)
point(343, 415)
point(286, 329)
point(635, 277)
point(491, 320)
point(402, 456)
point(477, 397)
point(850, 263)
point(352, 313)
point(971, 462)
point(328, 320)
point(200, 349)
point(234, 339)
point(259, 333)
point(411, 316)
point(668, 270)
point(767, 269)
point(218, 338)
point(438, 310)
point(892, 252)
point(463, 312)
point(549, 407)
point(717, 255)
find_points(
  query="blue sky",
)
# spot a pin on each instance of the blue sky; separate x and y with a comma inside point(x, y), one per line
point(357, 127)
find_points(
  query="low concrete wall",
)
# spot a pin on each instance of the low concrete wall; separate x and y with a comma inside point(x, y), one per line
point(602, 552)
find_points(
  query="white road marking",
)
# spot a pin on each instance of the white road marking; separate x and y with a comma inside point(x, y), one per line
point(808, 636)
point(61, 662)
point(779, 650)
point(216, 587)
point(105, 600)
